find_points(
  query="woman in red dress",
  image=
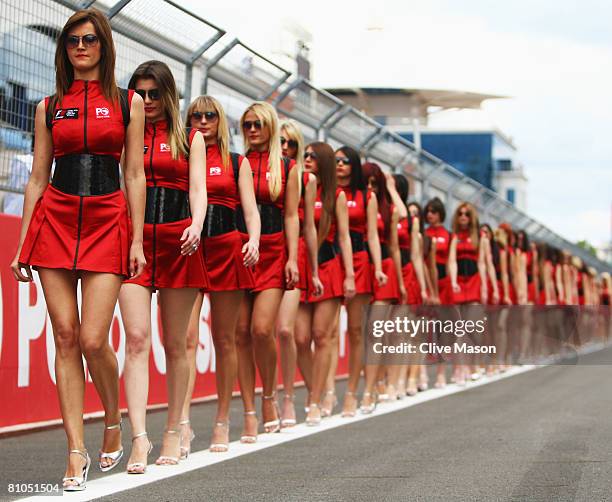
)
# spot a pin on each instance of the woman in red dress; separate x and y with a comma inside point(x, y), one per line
point(174, 215)
point(277, 194)
point(318, 312)
point(78, 227)
point(229, 261)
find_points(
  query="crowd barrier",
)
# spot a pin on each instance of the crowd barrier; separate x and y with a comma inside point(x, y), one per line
point(27, 352)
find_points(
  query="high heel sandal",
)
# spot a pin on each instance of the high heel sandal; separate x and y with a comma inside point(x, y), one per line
point(273, 425)
point(401, 389)
point(311, 421)
point(366, 409)
point(81, 481)
point(325, 411)
point(114, 456)
point(139, 467)
point(288, 422)
point(165, 459)
point(382, 391)
point(412, 389)
point(245, 438)
point(352, 412)
point(186, 450)
point(220, 447)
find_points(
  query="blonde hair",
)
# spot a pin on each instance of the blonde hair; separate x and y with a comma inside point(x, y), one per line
point(473, 226)
point(293, 130)
point(203, 104)
point(501, 237)
point(269, 118)
point(160, 72)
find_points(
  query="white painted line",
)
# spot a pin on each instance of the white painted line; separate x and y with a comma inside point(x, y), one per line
point(122, 481)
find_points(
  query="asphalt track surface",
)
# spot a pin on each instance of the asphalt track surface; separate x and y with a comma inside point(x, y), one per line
point(543, 434)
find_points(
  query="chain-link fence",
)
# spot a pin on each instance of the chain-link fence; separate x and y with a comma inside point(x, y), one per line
point(232, 72)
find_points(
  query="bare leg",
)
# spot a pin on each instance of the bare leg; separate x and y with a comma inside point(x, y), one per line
point(176, 307)
point(329, 397)
point(246, 367)
point(59, 287)
point(135, 304)
point(303, 343)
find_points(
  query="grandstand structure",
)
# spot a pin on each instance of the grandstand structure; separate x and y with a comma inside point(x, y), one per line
point(206, 59)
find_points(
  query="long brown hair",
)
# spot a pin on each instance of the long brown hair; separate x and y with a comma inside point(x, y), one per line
point(373, 170)
point(207, 103)
point(326, 173)
point(473, 225)
point(160, 72)
point(64, 71)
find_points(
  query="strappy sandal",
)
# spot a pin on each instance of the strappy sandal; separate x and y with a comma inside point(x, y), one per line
point(139, 467)
point(165, 459)
point(220, 447)
point(366, 409)
point(185, 451)
point(288, 422)
point(312, 421)
point(325, 411)
point(245, 438)
point(114, 456)
point(273, 425)
point(351, 412)
point(80, 481)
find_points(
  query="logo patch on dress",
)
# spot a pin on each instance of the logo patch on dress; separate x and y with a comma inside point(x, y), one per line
point(214, 171)
point(102, 112)
point(66, 113)
point(351, 203)
point(164, 147)
point(146, 148)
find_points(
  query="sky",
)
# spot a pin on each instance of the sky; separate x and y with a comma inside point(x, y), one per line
point(552, 58)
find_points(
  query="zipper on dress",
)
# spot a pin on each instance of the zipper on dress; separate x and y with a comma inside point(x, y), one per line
point(80, 218)
point(154, 263)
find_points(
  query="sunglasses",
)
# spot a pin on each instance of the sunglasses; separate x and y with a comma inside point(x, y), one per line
point(291, 143)
point(89, 40)
point(310, 155)
point(247, 125)
point(430, 210)
point(464, 213)
point(344, 160)
point(153, 94)
point(209, 116)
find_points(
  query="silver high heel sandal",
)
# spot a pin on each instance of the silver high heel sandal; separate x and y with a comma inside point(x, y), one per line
point(165, 459)
point(349, 413)
point(366, 409)
point(220, 447)
point(80, 481)
point(273, 425)
point(312, 421)
point(327, 412)
point(139, 467)
point(288, 422)
point(185, 451)
point(114, 456)
point(246, 439)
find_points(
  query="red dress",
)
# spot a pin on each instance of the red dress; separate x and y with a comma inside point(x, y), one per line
point(442, 238)
point(468, 277)
point(390, 291)
point(166, 267)
point(531, 291)
point(411, 282)
point(223, 253)
point(331, 272)
point(270, 269)
point(82, 232)
point(358, 228)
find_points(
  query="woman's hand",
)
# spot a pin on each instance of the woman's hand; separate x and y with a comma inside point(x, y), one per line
point(317, 285)
point(403, 294)
point(137, 260)
point(292, 274)
point(425, 297)
point(250, 250)
point(18, 274)
point(456, 288)
point(484, 294)
point(190, 240)
point(349, 287)
point(381, 277)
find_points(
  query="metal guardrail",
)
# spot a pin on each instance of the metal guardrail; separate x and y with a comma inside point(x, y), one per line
point(236, 74)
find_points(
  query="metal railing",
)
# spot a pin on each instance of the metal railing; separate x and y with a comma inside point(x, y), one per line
point(235, 74)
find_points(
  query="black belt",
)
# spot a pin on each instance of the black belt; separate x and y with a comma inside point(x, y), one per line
point(327, 251)
point(384, 252)
point(498, 275)
point(467, 267)
point(270, 215)
point(85, 174)
point(357, 241)
point(165, 205)
point(219, 220)
point(441, 270)
point(405, 254)
point(529, 278)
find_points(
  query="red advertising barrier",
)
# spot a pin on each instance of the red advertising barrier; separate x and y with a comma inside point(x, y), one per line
point(28, 396)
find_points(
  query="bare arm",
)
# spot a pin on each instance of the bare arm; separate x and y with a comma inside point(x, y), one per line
point(416, 256)
point(503, 266)
point(252, 220)
point(394, 250)
point(396, 200)
point(452, 263)
point(373, 240)
point(344, 240)
point(310, 229)
point(482, 268)
point(197, 195)
point(39, 179)
point(491, 271)
point(292, 227)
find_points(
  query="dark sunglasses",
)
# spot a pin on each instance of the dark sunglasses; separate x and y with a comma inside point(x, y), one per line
point(430, 210)
point(247, 125)
point(310, 155)
point(153, 94)
point(89, 40)
point(291, 143)
point(209, 116)
point(344, 160)
point(464, 213)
